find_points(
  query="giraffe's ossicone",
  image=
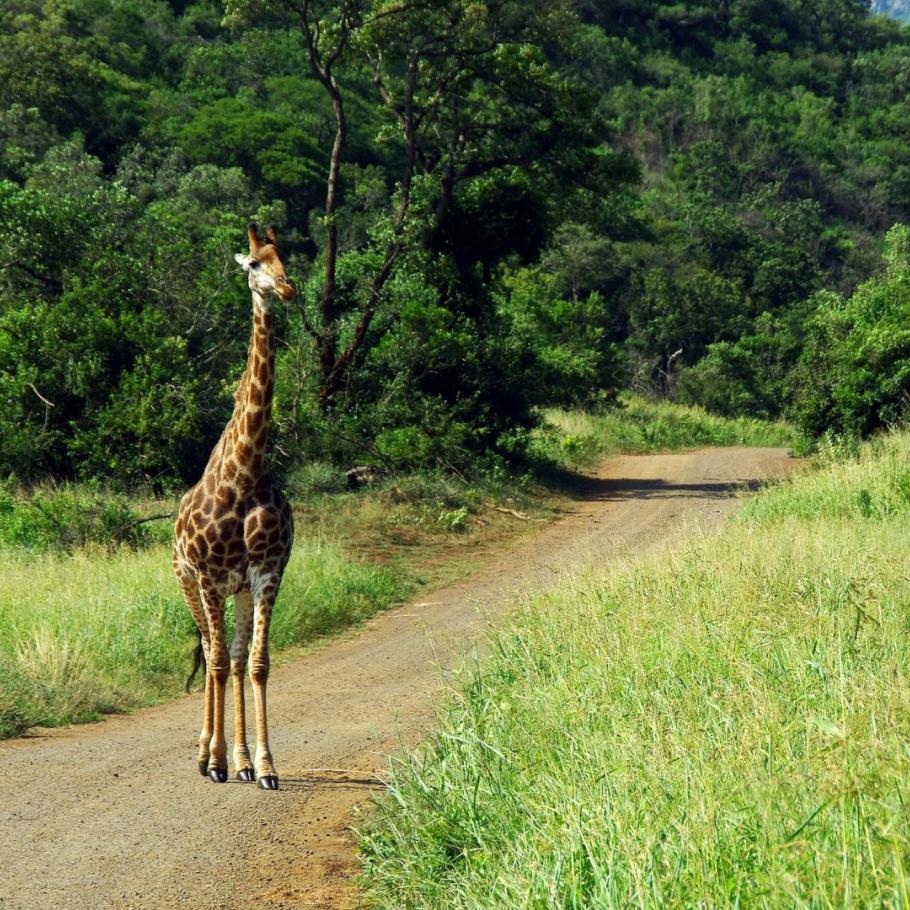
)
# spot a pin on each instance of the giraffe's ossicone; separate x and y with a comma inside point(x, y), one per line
point(233, 538)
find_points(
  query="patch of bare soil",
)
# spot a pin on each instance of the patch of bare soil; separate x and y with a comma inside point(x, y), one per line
point(115, 814)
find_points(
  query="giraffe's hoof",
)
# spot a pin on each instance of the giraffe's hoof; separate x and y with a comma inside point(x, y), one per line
point(218, 775)
point(204, 768)
point(269, 782)
point(246, 774)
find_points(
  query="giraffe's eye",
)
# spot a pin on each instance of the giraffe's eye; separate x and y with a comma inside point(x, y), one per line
point(254, 264)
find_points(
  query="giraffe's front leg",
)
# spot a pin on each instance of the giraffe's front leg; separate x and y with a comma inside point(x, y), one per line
point(243, 626)
point(259, 674)
point(216, 681)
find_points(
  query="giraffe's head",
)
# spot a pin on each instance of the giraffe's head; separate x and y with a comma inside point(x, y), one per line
point(264, 265)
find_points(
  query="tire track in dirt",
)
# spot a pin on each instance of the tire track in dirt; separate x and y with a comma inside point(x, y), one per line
point(115, 815)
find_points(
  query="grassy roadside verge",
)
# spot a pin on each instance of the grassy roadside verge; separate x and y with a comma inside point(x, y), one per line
point(734, 734)
point(90, 624)
point(103, 628)
point(580, 439)
point(94, 632)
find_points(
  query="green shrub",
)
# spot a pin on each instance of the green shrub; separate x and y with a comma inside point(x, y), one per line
point(854, 374)
point(314, 477)
point(68, 517)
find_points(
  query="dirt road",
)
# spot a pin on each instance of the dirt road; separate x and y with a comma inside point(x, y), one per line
point(115, 814)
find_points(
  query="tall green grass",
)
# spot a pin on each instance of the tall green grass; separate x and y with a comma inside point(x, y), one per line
point(579, 439)
point(100, 631)
point(873, 484)
point(723, 726)
point(91, 618)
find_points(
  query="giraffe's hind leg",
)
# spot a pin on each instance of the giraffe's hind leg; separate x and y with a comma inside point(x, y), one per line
point(216, 681)
point(264, 600)
point(189, 584)
point(243, 626)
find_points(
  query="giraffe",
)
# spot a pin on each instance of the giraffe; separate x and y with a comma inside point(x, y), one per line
point(233, 536)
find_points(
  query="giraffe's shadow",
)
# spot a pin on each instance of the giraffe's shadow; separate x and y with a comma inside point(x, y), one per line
point(317, 781)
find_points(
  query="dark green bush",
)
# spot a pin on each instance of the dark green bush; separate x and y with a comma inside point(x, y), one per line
point(67, 517)
point(854, 374)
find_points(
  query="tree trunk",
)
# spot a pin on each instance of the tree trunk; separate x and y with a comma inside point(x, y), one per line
point(328, 343)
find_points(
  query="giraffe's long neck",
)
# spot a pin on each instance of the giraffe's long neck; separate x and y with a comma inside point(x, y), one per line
point(239, 457)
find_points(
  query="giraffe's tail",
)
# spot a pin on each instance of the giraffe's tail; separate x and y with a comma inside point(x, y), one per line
point(198, 661)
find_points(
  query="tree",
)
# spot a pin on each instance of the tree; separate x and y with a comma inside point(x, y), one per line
point(469, 90)
point(854, 373)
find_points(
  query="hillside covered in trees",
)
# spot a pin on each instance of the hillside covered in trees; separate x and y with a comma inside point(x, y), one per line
point(490, 207)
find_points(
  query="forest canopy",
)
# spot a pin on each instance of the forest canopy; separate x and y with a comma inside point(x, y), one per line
point(490, 208)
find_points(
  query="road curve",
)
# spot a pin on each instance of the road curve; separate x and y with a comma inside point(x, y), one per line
point(115, 815)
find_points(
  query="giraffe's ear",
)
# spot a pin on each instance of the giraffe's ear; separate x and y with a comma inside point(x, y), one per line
point(242, 261)
point(272, 236)
point(252, 232)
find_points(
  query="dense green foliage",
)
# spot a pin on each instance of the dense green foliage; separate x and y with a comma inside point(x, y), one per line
point(854, 372)
point(532, 205)
point(773, 164)
point(722, 725)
